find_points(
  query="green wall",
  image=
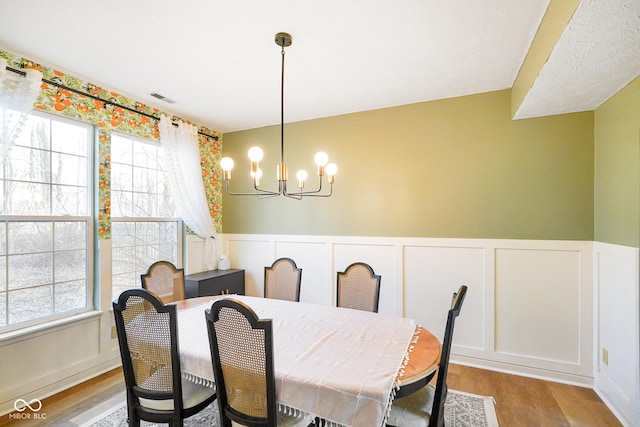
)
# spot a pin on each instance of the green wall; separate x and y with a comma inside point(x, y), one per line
point(617, 168)
point(450, 168)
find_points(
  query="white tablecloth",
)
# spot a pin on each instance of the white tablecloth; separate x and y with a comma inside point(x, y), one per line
point(335, 363)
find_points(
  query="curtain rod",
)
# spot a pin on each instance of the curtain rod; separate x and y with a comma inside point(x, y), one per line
point(115, 104)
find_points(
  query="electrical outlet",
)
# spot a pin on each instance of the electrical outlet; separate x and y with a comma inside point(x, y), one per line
point(114, 332)
point(605, 356)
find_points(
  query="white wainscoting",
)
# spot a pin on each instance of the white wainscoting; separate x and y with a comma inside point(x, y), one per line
point(617, 329)
point(536, 308)
point(528, 311)
point(43, 360)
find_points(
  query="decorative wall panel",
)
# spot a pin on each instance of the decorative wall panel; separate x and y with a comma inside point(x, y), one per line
point(537, 304)
point(431, 275)
point(617, 379)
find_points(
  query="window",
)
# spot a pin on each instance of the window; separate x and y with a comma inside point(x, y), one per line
point(45, 218)
point(144, 228)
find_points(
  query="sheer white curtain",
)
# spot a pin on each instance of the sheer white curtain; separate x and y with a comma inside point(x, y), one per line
point(17, 95)
point(182, 163)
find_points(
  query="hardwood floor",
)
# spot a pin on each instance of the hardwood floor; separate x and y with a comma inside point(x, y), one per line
point(520, 401)
point(529, 402)
point(61, 408)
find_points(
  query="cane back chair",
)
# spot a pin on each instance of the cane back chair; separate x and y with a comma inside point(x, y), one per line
point(242, 355)
point(282, 280)
point(165, 280)
point(425, 408)
point(147, 334)
point(358, 287)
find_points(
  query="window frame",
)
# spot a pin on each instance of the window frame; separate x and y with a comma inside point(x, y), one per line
point(180, 228)
point(90, 221)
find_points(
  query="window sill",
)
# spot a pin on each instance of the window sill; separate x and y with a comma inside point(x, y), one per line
point(11, 337)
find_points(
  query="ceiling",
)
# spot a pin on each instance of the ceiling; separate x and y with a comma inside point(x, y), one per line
point(218, 62)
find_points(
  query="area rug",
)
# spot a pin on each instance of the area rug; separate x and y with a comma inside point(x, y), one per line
point(461, 410)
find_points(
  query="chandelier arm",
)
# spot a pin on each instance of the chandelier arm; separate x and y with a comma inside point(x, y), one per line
point(319, 189)
point(259, 192)
point(265, 191)
point(266, 196)
point(292, 196)
point(310, 193)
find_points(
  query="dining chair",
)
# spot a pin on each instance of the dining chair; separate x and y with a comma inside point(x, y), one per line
point(282, 280)
point(165, 280)
point(241, 347)
point(155, 388)
point(425, 407)
point(359, 287)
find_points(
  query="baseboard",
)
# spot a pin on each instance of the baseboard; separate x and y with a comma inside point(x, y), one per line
point(64, 384)
point(524, 371)
point(626, 422)
point(622, 405)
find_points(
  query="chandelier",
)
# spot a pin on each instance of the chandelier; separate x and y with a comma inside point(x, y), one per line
point(255, 155)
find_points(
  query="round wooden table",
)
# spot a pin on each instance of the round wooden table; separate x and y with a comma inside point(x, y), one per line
point(424, 358)
point(423, 363)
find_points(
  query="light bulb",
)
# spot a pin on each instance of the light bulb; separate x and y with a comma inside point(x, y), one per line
point(321, 158)
point(257, 174)
point(226, 163)
point(331, 169)
point(255, 154)
point(301, 175)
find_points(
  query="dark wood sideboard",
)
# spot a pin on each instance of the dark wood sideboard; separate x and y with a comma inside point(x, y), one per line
point(214, 282)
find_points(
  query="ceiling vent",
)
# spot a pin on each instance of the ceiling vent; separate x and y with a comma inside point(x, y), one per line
point(162, 98)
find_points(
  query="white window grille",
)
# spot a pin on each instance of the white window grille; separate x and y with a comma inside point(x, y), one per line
point(46, 239)
point(144, 228)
